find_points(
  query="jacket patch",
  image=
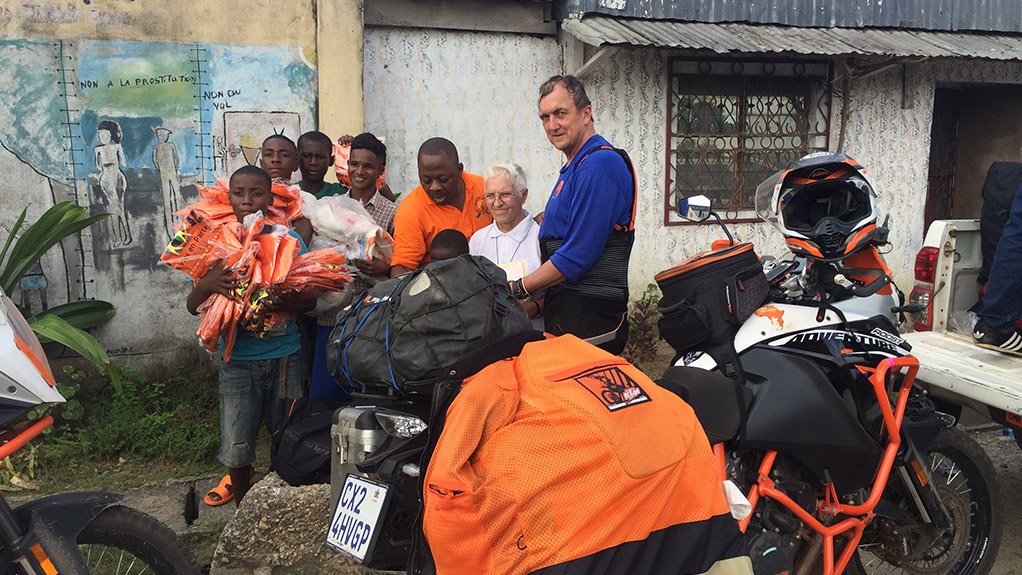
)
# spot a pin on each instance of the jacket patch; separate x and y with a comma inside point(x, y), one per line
point(613, 387)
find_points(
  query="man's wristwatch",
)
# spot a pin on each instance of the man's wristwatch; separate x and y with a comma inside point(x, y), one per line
point(517, 288)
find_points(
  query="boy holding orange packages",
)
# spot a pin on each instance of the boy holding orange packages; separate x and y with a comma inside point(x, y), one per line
point(260, 367)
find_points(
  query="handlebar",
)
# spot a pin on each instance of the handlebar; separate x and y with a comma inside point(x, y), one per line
point(872, 287)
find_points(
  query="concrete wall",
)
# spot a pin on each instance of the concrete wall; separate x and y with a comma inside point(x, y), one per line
point(477, 89)
point(189, 89)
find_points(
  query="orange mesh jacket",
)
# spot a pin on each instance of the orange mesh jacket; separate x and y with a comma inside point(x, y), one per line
point(567, 459)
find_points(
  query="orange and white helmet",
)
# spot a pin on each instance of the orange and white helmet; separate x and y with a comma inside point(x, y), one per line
point(823, 204)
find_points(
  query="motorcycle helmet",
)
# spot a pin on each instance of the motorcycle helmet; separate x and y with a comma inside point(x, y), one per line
point(823, 204)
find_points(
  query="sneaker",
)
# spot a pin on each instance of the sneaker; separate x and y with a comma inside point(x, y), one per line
point(990, 338)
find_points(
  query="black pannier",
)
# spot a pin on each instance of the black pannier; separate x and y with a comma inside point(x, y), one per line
point(707, 296)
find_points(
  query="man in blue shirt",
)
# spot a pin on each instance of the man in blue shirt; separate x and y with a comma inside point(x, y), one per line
point(588, 227)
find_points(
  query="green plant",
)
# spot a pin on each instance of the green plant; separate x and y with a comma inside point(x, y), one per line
point(18, 471)
point(642, 327)
point(64, 324)
point(174, 420)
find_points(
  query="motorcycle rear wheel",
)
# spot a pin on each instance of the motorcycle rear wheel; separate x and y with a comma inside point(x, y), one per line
point(967, 484)
point(121, 540)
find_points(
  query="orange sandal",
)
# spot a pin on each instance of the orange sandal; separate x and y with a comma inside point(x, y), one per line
point(224, 493)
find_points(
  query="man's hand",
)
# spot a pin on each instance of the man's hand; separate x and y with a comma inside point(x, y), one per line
point(532, 308)
point(346, 140)
point(375, 267)
point(517, 289)
point(303, 227)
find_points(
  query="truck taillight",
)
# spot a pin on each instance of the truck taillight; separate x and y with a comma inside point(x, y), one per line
point(922, 321)
point(926, 265)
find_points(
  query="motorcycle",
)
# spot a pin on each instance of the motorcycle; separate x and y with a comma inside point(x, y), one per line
point(835, 461)
point(73, 533)
point(815, 416)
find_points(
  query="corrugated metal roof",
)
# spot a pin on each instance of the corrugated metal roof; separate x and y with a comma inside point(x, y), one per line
point(730, 38)
point(947, 15)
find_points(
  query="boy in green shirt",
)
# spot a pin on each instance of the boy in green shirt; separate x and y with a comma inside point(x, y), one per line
point(315, 157)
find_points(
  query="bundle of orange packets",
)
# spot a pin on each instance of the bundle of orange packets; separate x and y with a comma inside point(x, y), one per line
point(262, 262)
point(215, 203)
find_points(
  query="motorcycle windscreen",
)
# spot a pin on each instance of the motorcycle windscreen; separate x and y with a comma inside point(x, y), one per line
point(766, 199)
point(25, 377)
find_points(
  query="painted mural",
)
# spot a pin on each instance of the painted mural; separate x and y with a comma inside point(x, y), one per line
point(131, 128)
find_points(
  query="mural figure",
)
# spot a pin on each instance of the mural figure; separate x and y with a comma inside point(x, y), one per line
point(244, 132)
point(167, 164)
point(33, 290)
point(112, 183)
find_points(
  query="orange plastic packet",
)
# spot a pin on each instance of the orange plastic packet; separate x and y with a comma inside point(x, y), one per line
point(320, 270)
point(198, 242)
point(220, 314)
point(214, 201)
point(277, 251)
point(287, 204)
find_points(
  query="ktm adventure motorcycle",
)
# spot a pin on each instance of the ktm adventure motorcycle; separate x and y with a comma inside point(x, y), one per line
point(810, 399)
point(834, 460)
point(69, 533)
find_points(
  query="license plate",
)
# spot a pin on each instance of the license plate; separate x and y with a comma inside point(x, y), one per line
point(355, 525)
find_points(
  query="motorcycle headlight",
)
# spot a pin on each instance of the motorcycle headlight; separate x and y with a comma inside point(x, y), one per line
point(400, 425)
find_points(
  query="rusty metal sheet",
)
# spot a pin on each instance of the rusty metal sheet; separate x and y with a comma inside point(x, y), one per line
point(734, 38)
point(947, 15)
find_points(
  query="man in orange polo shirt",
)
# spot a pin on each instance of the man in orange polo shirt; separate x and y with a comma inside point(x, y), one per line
point(447, 197)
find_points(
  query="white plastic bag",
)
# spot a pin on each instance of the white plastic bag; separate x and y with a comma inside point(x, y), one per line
point(344, 221)
point(736, 501)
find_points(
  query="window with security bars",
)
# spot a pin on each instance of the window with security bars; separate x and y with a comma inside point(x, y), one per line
point(734, 123)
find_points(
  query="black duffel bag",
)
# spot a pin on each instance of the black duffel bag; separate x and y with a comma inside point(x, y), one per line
point(400, 333)
point(300, 439)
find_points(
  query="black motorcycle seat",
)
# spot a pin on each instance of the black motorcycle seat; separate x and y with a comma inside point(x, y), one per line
point(719, 402)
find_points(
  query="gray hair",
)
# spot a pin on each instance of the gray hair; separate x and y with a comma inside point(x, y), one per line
point(513, 171)
point(573, 85)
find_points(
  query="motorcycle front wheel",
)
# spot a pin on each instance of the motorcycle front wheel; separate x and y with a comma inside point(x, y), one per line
point(967, 485)
point(121, 540)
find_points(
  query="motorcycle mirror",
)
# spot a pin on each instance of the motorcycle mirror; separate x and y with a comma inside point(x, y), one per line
point(883, 231)
point(694, 208)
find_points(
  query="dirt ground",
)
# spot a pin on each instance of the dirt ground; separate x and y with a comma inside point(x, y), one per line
point(1007, 459)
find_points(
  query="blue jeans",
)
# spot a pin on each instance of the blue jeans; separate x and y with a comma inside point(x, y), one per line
point(1002, 304)
point(249, 389)
point(323, 385)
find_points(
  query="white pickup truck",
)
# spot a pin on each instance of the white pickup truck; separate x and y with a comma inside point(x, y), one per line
point(953, 368)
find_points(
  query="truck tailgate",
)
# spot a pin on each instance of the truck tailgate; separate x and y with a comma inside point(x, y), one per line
point(954, 363)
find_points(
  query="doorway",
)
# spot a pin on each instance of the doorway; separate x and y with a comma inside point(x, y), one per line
point(988, 129)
